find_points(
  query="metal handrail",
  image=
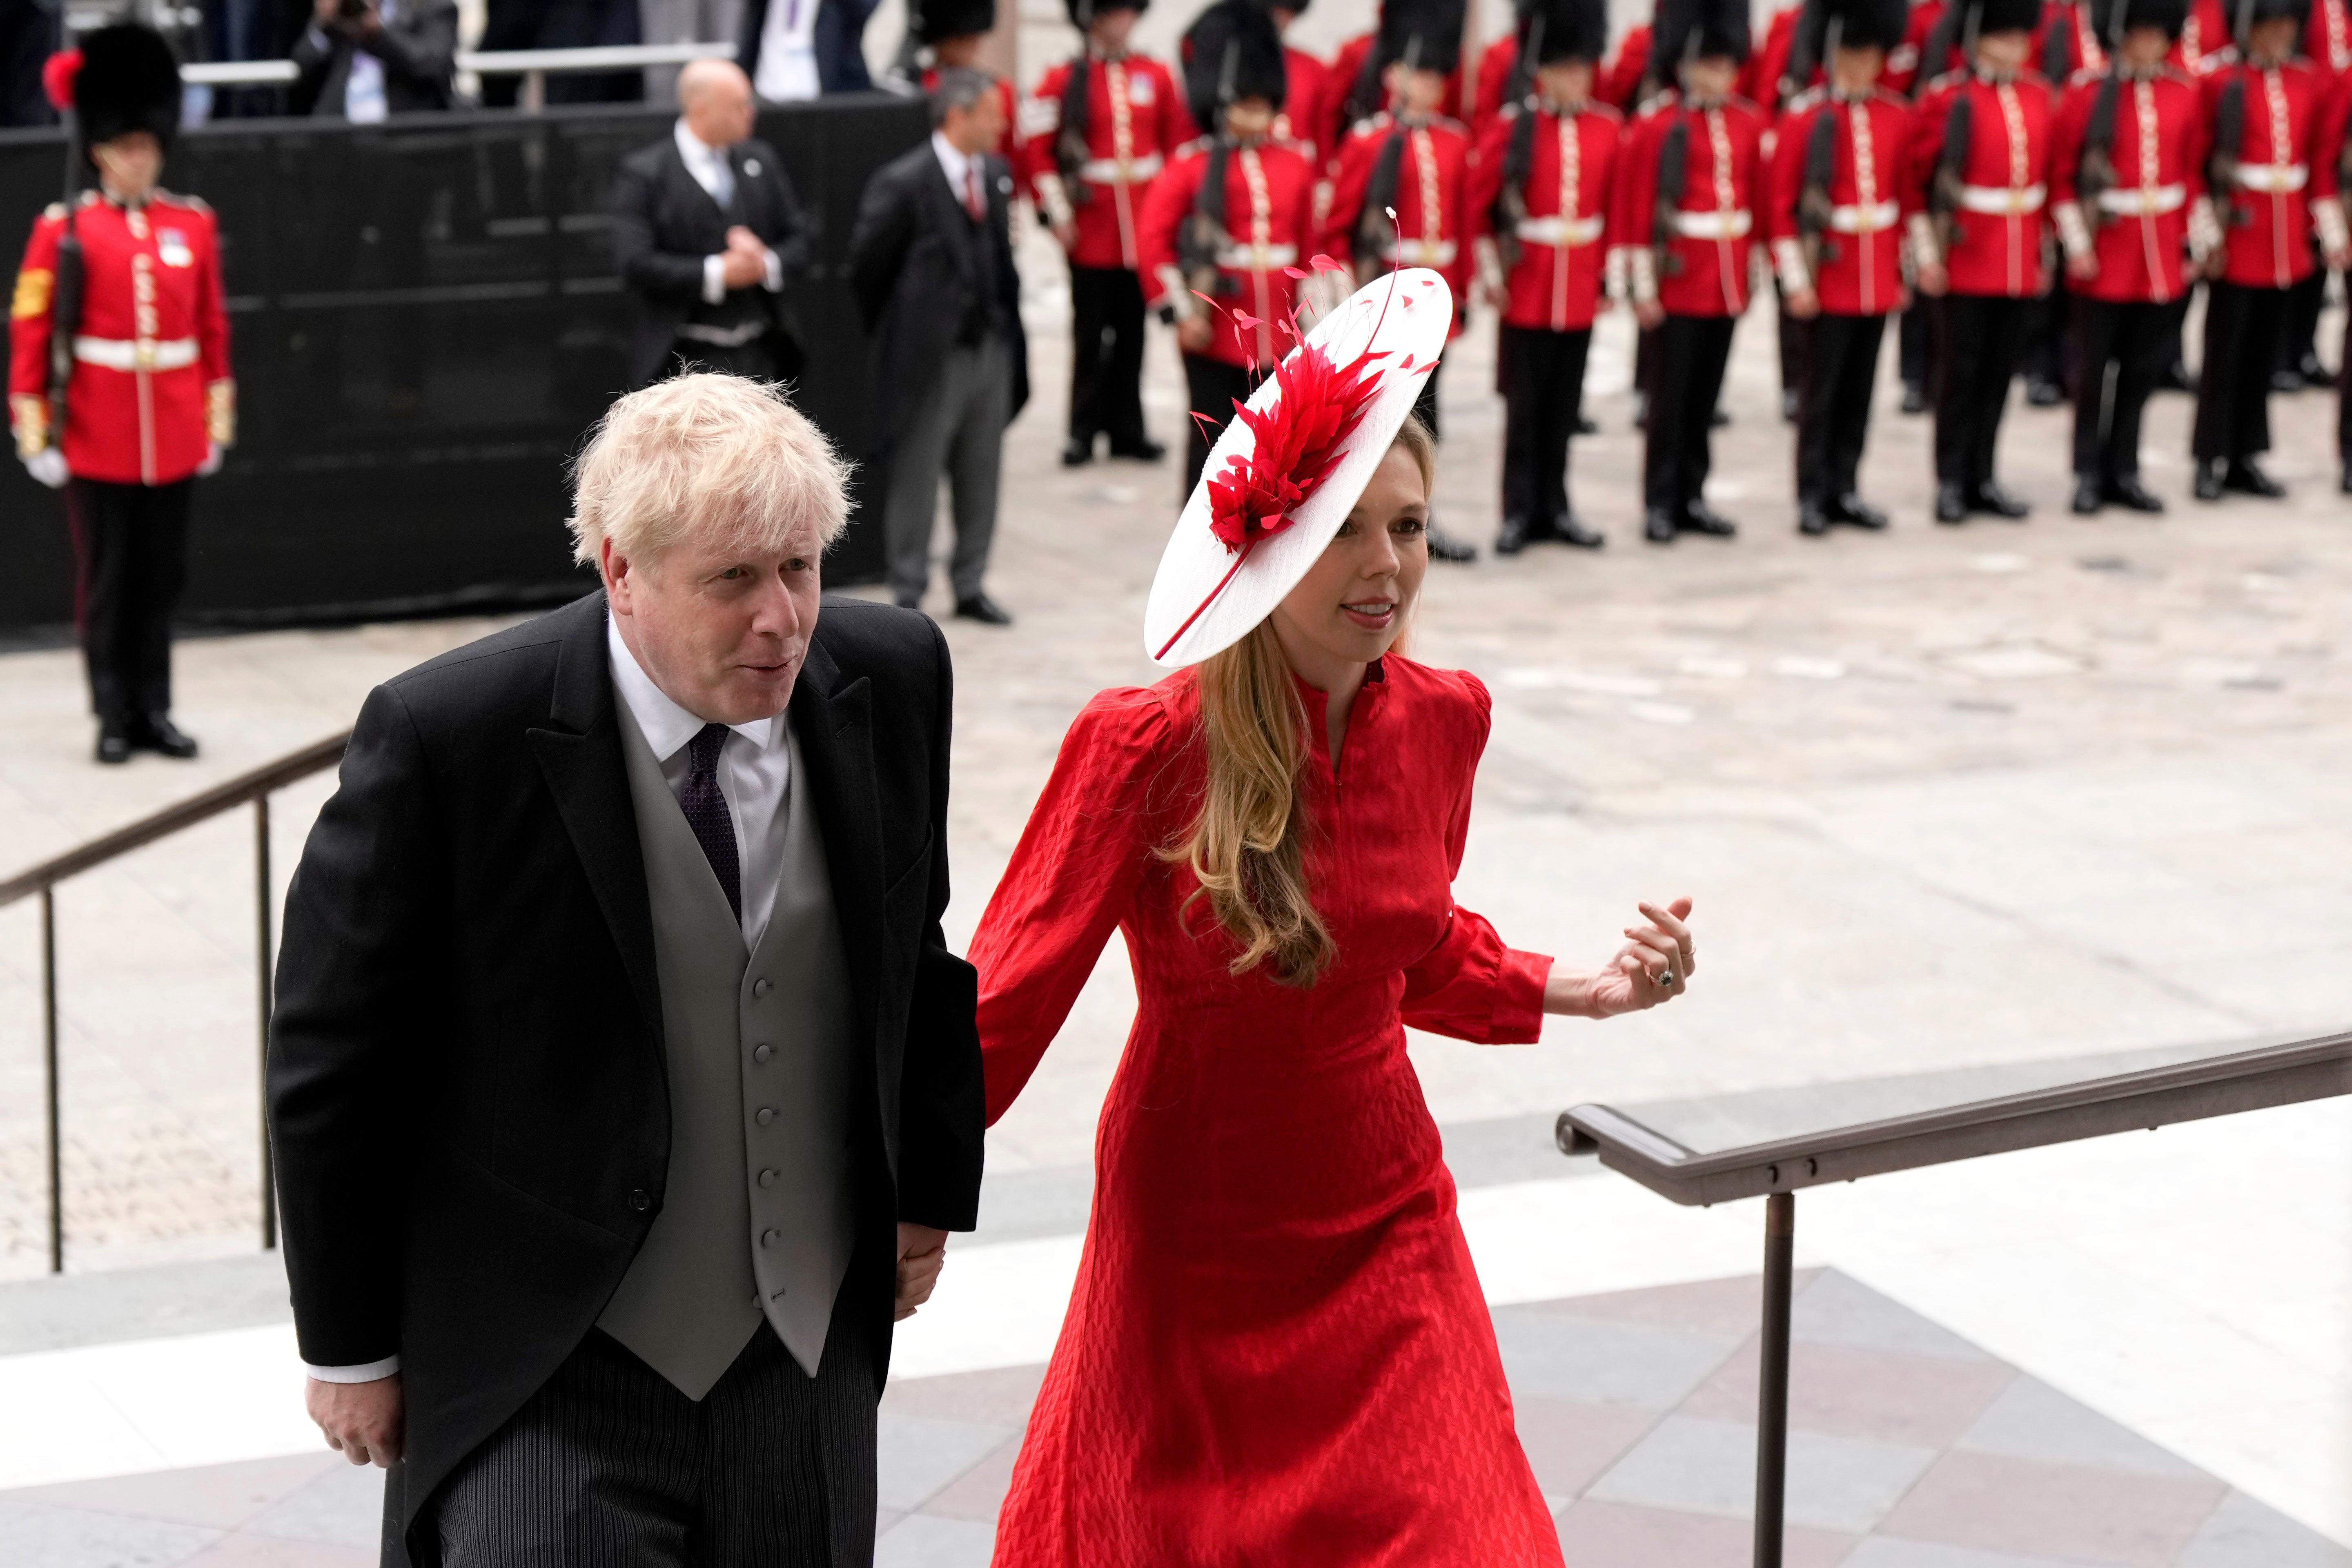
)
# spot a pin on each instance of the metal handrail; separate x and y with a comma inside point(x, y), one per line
point(493, 62)
point(2252, 1079)
point(255, 786)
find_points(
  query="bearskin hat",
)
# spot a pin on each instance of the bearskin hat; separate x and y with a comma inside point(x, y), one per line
point(2113, 18)
point(1556, 30)
point(2008, 15)
point(935, 21)
point(1688, 28)
point(1860, 24)
point(128, 80)
point(1428, 32)
point(1082, 12)
point(2274, 10)
point(1230, 53)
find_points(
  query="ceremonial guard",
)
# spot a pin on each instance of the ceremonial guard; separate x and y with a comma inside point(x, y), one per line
point(1835, 219)
point(1625, 80)
point(2327, 45)
point(2127, 194)
point(1359, 86)
point(1542, 193)
point(119, 385)
point(1305, 83)
point(1979, 187)
point(1225, 230)
point(2331, 185)
point(1685, 195)
point(1097, 132)
point(2262, 116)
point(952, 34)
point(1415, 162)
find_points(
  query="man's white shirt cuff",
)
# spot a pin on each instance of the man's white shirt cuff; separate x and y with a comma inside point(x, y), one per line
point(372, 1372)
point(775, 273)
point(714, 280)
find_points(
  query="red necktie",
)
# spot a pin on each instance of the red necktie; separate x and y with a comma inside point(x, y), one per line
point(973, 202)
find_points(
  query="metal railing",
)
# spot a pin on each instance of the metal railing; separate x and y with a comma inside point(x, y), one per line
point(534, 66)
point(255, 788)
point(2156, 1096)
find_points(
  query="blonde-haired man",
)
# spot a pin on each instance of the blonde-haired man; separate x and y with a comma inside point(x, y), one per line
point(623, 1086)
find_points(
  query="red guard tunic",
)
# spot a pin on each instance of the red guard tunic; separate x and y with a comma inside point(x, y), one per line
point(1277, 1351)
point(1996, 230)
point(1345, 68)
point(2327, 183)
point(1903, 65)
point(1563, 237)
point(1269, 217)
point(1857, 268)
point(2070, 44)
point(1706, 258)
point(150, 388)
point(1432, 200)
point(1135, 120)
point(2327, 38)
point(1305, 83)
point(1494, 70)
point(2204, 43)
point(2139, 226)
point(1620, 82)
point(2266, 219)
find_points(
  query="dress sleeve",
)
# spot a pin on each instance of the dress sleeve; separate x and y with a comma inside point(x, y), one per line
point(1471, 986)
point(1071, 879)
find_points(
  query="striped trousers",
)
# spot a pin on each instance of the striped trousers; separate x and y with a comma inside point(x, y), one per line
point(609, 1466)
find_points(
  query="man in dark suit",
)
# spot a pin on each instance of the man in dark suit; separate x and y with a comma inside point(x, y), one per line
point(797, 51)
point(708, 235)
point(622, 1085)
point(365, 59)
point(931, 263)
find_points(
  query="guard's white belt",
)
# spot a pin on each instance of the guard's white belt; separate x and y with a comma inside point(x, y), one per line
point(1565, 232)
point(1106, 171)
point(118, 353)
point(2005, 200)
point(1422, 253)
point(2273, 176)
point(2140, 201)
point(1256, 257)
point(1715, 224)
point(1864, 219)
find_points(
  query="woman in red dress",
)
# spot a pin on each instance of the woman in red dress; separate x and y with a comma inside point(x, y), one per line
point(1277, 1351)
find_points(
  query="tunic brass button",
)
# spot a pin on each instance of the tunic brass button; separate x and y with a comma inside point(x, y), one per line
point(767, 1114)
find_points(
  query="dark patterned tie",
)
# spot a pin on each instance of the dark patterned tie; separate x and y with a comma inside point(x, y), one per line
point(705, 812)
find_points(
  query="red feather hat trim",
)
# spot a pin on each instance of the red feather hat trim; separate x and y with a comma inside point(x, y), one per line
point(58, 73)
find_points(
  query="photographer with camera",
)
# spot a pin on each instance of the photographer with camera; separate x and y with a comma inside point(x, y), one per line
point(366, 60)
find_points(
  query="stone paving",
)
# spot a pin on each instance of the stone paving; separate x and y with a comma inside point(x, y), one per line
point(1909, 1447)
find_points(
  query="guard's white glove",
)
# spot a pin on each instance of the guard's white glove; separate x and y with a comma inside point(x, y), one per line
point(48, 466)
point(211, 464)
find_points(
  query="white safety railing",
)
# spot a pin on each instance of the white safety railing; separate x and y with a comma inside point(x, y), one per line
point(534, 66)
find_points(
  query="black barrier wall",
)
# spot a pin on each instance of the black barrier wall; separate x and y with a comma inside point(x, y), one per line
point(425, 321)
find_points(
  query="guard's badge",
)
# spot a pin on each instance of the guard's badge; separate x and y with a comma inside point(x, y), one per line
point(1138, 91)
point(172, 245)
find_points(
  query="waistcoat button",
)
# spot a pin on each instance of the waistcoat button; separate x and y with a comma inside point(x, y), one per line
point(762, 1053)
point(767, 1114)
point(767, 1238)
point(769, 1178)
point(761, 987)
point(640, 1200)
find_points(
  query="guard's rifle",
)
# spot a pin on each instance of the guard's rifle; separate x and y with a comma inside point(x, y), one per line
point(1804, 55)
point(2095, 175)
point(1202, 238)
point(2229, 127)
point(66, 277)
point(1947, 194)
point(1380, 187)
point(1673, 172)
point(1520, 152)
point(1814, 202)
point(1071, 152)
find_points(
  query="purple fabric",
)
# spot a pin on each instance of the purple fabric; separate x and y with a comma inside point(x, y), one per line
point(705, 812)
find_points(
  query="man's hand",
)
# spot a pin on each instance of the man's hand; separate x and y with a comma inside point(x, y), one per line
point(1932, 280)
point(742, 269)
point(365, 1422)
point(1067, 233)
point(921, 1251)
point(1193, 332)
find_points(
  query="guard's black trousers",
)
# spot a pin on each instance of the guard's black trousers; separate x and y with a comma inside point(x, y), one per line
point(1911, 343)
point(1839, 360)
point(130, 551)
point(1979, 340)
point(1685, 376)
point(2121, 352)
point(1542, 377)
point(2233, 385)
point(1215, 386)
point(1107, 356)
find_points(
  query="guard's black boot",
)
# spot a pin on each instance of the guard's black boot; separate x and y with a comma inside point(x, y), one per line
point(2040, 391)
point(2243, 476)
point(1851, 508)
point(1914, 397)
point(1951, 503)
point(1700, 518)
point(1567, 530)
point(156, 732)
point(1995, 501)
point(2314, 373)
point(1078, 452)
point(113, 741)
point(2208, 485)
point(1512, 537)
point(1586, 426)
point(1658, 526)
point(1813, 519)
point(2127, 491)
point(2088, 498)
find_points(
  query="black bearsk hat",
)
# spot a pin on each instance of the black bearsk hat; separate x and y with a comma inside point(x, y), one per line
point(1436, 24)
point(938, 20)
point(2274, 10)
point(1564, 29)
point(1082, 12)
point(129, 81)
point(1860, 24)
point(2113, 18)
point(1700, 28)
point(2008, 15)
point(1239, 31)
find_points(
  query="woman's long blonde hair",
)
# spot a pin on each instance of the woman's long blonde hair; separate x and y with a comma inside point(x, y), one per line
point(1247, 847)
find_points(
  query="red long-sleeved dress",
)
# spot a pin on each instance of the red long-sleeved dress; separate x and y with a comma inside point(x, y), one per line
point(1277, 1351)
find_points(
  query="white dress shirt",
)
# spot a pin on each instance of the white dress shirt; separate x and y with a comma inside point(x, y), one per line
point(715, 175)
point(755, 770)
point(964, 172)
point(788, 52)
point(363, 99)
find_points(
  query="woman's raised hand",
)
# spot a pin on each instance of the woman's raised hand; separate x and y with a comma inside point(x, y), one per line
point(1654, 966)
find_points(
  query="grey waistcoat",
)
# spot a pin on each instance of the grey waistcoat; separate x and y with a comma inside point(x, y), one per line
point(756, 1218)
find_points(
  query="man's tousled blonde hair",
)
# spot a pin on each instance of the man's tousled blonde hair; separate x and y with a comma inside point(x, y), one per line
point(722, 456)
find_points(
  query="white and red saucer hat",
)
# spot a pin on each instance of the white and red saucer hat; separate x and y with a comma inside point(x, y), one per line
point(1287, 470)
